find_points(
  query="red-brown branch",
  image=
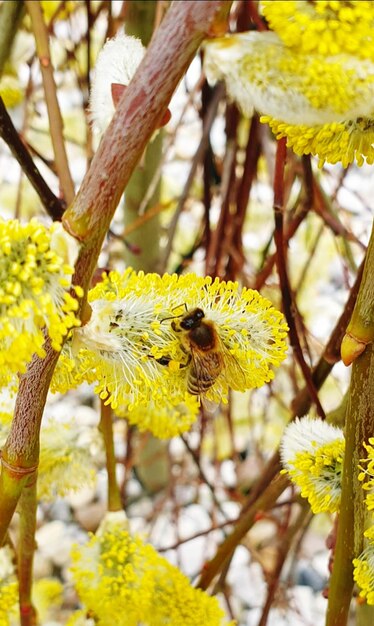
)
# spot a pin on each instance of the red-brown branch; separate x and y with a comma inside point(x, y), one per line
point(287, 300)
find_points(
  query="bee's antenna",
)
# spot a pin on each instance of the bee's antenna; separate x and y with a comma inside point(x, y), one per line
point(174, 317)
point(179, 306)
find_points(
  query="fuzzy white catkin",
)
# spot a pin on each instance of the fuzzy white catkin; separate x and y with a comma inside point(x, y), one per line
point(305, 435)
point(116, 63)
point(249, 63)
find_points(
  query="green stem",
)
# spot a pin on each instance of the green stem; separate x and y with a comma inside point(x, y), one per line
point(352, 510)
point(106, 428)
point(140, 19)
point(145, 241)
point(26, 549)
point(360, 330)
point(363, 313)
point(20, 453)
point(144, 252)
point(10, 16)
point(365, 615)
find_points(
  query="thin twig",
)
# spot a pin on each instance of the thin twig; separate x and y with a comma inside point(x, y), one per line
point(199, 154)
point(254, 15)
point(284, 545)
point(26, 549)
point(292, 225)
point(52, 204)
point(287, 299)
point(252, 154)
point(106, 428)
point(53, 108)
point(209, 168)
point(216, 254)
point(324, 210)
point(168, 142)
point(307, 264)
point(203, 476)
point(201, 533)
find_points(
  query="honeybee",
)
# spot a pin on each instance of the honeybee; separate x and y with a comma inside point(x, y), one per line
point(208, 356)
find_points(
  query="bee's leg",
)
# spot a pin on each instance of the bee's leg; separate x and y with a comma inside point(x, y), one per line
point(165, 360)
point(189, 356)
point(188, 361)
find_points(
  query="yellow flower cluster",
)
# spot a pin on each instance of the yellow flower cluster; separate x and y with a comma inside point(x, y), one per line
point(123, 581)
point(173, 418)
point(74, 367)
point(139, 357)
point(363, 572)
point(8, 602)
point(326, 27)
point(10, 90)
point(296, 88)
point(47, 597)
point(364, 565)
point(66, 459)
point(312, 79)
point(34, 277)
point(79, 618)
point(8, 588)
point(164, 415)
point(367, 474)
point(67, 455)
point(344, 142)
point(52, 8)
point(5, 422)
point(312, 454)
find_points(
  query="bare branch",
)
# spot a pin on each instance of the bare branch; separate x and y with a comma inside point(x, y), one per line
point(52, 204)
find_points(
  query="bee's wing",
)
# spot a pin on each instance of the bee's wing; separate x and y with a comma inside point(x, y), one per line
point(232, 370)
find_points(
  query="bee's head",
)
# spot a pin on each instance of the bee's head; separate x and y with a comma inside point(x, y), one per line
point(192, 319)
